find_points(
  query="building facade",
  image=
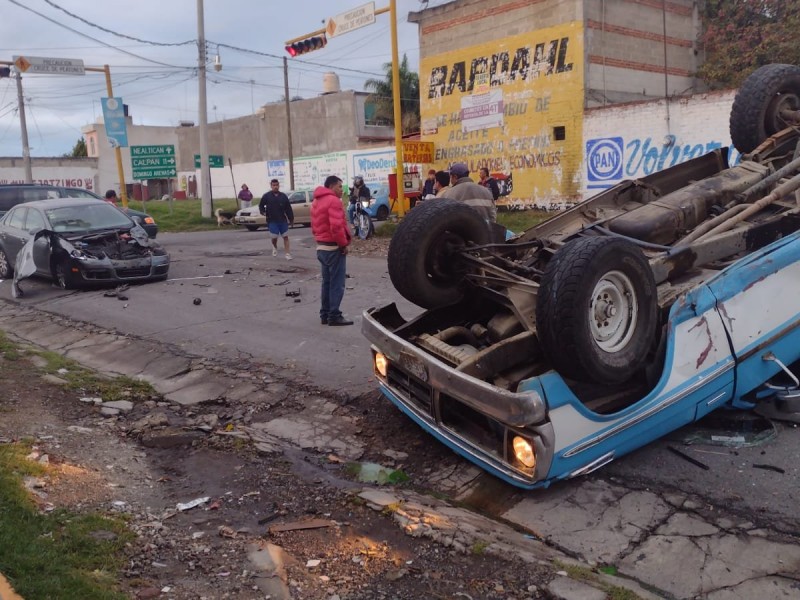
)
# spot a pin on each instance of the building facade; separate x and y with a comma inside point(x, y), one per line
point(505, 84)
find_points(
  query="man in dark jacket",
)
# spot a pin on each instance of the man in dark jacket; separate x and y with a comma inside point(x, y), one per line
point(470, 193)
point(275, 205)
point(490, 183)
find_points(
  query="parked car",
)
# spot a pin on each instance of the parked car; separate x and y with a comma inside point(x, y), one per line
point(80, 241)
point(252, 219)
point(379, 206)
point(637, 311)
point(13, 194)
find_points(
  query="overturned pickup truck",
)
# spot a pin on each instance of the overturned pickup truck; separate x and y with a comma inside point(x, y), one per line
point(638, 311)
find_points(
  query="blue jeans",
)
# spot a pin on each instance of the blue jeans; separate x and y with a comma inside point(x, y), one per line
point(334, 270)
point(351, 213)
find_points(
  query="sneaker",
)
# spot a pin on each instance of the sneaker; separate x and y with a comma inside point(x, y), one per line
point(288, 256)
point(274, 252)
point(323, 320)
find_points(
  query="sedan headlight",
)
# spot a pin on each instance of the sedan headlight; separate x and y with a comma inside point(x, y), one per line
point(79, 254)
point(149, 220)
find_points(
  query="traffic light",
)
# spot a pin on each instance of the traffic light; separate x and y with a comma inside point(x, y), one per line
point(309, 45)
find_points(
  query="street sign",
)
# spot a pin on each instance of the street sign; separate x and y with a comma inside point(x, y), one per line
point(215, 161)
point(153, 162)
point(352, 19)
point(49, 66)
point(114, 120)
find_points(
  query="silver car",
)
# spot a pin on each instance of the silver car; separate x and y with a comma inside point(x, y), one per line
point(252, 219)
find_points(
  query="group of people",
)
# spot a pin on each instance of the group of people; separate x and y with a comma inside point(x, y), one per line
point(456, 184)
point(331, 231)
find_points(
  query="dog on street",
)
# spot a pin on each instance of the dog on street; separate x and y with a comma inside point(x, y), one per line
point(223, 217)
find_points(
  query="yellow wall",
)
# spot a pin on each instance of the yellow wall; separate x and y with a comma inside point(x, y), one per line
point(538, 76)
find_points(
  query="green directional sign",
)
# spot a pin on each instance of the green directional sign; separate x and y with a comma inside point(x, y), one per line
point(153, 162)
point(215, 161)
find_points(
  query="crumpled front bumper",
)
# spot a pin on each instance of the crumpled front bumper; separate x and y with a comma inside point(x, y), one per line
point(422, 386)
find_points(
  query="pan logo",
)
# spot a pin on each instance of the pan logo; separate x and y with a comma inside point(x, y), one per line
point(604, 159)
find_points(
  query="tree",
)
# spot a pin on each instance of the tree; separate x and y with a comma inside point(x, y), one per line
point(78, 150)
point(382, 96)
point(741, 35)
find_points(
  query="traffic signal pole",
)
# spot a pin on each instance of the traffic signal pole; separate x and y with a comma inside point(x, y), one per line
point(398, 125)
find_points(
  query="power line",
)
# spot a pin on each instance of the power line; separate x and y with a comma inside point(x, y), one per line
point(122, 35)
point(45, 17)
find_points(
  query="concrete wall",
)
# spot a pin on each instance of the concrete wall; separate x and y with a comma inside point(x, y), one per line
point(69, 172)
point(626, 41)
point(633, 140)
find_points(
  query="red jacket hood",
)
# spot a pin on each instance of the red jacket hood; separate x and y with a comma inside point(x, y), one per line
point(322, 191)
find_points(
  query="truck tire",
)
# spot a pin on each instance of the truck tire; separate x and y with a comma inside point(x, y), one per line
point(596, 310)
point(423, 254)
point(756, 111)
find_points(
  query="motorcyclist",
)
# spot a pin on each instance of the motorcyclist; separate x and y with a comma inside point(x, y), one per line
point(358, 193)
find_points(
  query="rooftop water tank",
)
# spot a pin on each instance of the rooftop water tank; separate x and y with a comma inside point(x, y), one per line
point(330, 83)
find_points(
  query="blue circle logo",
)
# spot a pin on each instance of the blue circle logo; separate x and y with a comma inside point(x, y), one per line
point(604, 159)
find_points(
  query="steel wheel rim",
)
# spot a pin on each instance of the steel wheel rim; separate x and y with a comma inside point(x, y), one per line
point(613, 312)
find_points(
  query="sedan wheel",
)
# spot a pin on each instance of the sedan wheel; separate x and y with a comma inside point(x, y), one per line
point(64, 278)
point(5, 266)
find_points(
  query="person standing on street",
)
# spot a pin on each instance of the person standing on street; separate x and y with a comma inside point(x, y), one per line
point(470, 193)
point(111, 197)
point(276, 207)
point(329, 226)
point(490, 183)
point(441, 183)
point(428, 188)
point(245, 196)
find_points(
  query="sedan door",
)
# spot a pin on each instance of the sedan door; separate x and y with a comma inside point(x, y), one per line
point(35, 221)
point(301, 207)
point(12, 233)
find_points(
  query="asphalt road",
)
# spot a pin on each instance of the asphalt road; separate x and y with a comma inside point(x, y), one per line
point(245, 312)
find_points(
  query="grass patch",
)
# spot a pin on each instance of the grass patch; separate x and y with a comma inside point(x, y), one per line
point(479, 547)
point(385, 229)
point(55, 555)
point(8, 350)
point(520, 220)
point(585, 574)
point(84, 380)
point(186, 215)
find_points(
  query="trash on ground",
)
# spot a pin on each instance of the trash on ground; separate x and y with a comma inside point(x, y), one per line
point(192, 503)
point(298, 525)
point(688, 458)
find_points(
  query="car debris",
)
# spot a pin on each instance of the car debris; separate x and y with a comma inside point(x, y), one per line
point(550, 354)
point(298, 525)
point(197, 301)
point(688, 458)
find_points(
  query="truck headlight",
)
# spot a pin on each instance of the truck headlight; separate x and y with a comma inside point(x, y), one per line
point(381, 364)
point(523, 451)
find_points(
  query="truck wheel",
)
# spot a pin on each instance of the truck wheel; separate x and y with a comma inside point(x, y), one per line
point(423, 254)
point(596, 310)
point(5, 266)
point(763, 97)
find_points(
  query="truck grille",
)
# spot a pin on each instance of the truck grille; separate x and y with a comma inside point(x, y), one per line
point(415, 390)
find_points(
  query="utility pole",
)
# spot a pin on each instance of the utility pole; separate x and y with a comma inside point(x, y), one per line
point(288, 121)
point(205, 171)
point(26, 150)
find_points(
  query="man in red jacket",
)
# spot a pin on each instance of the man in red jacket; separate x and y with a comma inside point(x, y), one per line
point(329, 226)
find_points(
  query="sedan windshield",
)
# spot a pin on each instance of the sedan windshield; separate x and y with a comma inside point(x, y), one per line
point(87, 217)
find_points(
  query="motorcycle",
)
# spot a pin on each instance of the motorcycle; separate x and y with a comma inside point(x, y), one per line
point(363, 227)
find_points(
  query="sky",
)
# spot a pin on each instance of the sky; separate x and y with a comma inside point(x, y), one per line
point(159, 82)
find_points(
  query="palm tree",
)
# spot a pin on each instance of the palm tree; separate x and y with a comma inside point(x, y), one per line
point(381, 96)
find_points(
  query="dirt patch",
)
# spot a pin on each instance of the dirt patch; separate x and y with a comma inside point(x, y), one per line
point(374, 247)
point(202, 552)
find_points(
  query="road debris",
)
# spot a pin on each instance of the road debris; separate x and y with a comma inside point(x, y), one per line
point(298, 525)
point(688, 458)
point(770, 468)
point(192, 503)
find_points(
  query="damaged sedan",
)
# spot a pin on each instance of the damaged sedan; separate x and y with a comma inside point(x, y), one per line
point(77, 242)
point(640, 310)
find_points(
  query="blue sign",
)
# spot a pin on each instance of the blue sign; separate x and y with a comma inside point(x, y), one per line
point(604, 158)
point(114, 118)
